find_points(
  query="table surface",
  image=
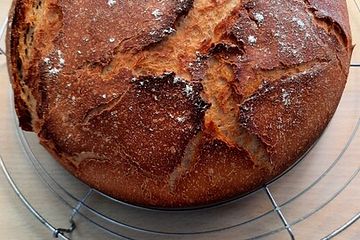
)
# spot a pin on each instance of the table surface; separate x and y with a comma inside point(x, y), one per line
point(16, 222)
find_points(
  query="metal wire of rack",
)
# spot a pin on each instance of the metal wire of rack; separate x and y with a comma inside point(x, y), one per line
point(84, 202)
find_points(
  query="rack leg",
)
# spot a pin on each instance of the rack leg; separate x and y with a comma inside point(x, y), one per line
point(2, 32)
point(75, 210)
point(280, 214)
point(63, 231)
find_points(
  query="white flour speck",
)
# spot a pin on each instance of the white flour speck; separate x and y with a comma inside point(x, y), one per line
point(54, 71)
point(157, 14)
point(177, 79)
point(252, 40)
point(55, 64)
point(169, 30)
point(111, 3)
point(61, 59)
point(188, 90)
point(285, 97)
point(180, 119)
point(299, 22)
point(259, 18)
point(47, 60)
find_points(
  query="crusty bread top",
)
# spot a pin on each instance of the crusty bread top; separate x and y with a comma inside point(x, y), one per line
point(148, 86)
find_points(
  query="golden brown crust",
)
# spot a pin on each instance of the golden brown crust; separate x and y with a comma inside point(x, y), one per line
point(12, 40)
point(177, 103)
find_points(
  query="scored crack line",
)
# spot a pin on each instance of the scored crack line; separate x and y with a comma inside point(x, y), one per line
point(104, 107)
point(327, 23)
point(173, 49)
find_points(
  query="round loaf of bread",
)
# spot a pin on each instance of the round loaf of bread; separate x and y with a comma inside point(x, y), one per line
point(177, 103)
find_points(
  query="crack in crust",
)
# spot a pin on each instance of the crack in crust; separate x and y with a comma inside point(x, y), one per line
point(176, 50)
point(104, 107)
point(327, 23)
point(280, 72)
point(222, 117)
point(187, 161)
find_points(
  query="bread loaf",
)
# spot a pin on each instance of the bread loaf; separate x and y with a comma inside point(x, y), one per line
point(177, 103)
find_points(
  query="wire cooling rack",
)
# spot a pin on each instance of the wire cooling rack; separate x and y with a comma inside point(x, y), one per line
point(285, 208)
